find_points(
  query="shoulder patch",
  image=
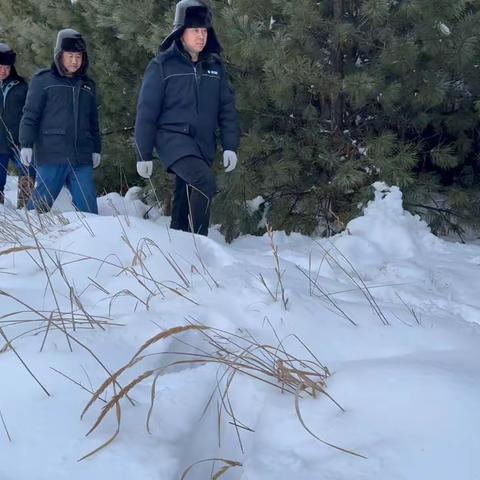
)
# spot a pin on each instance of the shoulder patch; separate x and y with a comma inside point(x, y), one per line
point(215, 63)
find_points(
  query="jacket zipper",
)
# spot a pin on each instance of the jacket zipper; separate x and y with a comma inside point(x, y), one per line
point(197, 87)
point(197, 82)
point(75, 114)
point(75, 117)
point(4, 98)
point(6, 90)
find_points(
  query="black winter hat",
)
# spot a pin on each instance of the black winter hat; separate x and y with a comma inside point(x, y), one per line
point(7, 55)
point(193, 14)
point(69, 40)
point(198, 17)
point(73, 45)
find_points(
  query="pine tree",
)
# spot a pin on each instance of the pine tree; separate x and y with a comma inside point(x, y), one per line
point(337, 94)
point(333, 95)
point(420, 85)
point(286, 58)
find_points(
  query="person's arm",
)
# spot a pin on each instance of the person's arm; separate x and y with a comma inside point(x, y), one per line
point(149, 107)
point(13, 121)
point(32, 112)
point(94, 124)
point(227, 116)
point(23, 97)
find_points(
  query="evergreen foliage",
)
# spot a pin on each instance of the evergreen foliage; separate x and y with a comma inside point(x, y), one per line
point(333, 95)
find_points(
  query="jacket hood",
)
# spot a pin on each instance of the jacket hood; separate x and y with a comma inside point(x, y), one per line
point(69, 40)
point(14, 76)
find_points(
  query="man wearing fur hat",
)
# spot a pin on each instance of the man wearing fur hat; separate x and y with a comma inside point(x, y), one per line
point(13, 91)
point(185, 97)
point(60, 124)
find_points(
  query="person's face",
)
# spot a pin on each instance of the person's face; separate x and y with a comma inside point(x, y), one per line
point(195, 39)
point(5, 71)
point(72, 61)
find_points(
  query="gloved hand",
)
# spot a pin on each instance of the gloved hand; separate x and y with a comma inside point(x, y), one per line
point(145, 169)
point(96, 159)
point(229, 160)
point(26, 155)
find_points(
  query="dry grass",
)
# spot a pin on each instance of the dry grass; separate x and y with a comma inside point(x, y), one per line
point(19, 228)
point(7, 342)
point(341, 264)
point(270, 365)
point(233, 353)
point(21, 232)
point(16, 229)
point(75, 382)
point(228, 465)
point(278, 291)
point(4, 424)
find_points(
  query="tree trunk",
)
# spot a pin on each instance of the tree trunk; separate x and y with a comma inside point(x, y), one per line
point(338, 102)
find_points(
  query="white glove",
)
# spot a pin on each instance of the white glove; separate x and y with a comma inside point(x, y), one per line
point(145, 169)
point(96, 159)
point(26, 155)
point(229, 160)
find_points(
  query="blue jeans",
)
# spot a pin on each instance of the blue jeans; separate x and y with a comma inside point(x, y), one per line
point(21, 169)
point(77, 178)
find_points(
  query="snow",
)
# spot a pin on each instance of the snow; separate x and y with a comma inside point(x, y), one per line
point(406, 374)
point(254, 204)
point(444, 29)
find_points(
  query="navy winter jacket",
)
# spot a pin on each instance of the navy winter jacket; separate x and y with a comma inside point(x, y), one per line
point(60, 119)
point(181, 105)
point(13, 92)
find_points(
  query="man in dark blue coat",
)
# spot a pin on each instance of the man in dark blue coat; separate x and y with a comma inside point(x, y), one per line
point(60, 124)
point(13, 91)
point(185, 97)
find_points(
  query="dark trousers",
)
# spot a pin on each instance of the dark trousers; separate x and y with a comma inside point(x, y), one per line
point(195, 188)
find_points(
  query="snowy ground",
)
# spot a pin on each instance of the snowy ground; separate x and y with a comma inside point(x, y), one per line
point(410, 390)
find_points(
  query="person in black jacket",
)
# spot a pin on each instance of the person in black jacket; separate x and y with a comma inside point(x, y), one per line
point(13, 91)
point(185, 97)
point(60, 125)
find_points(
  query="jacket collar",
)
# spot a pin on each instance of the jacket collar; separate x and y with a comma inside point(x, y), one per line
point(14, 76)
point(176, 49)
point(55, 71)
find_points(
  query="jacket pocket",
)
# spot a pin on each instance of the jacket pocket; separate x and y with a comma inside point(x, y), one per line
point(54, 131)
point(54, 139)
point(184, 128)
